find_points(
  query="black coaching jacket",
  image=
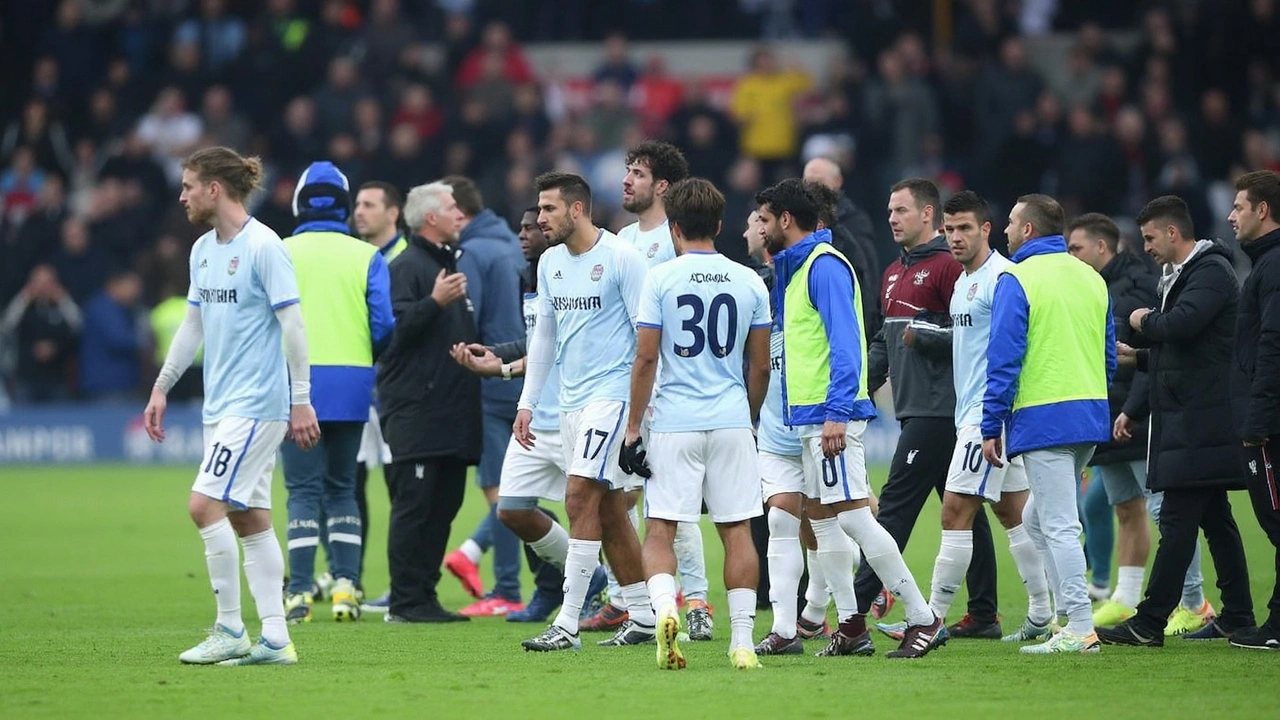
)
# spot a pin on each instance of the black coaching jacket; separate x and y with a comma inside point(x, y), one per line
point(1256, 359)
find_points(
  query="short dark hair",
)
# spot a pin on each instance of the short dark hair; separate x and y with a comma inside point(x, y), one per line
point(391, 195)
point(1044, 213)
point(573, 188)
point(923, 191)
point(696, 207)
point(663, 159)
point(531, 209)
point(1098, 227)
point(1169, 209)
point(968, 201)
point(827, 200)
point(790, 196)
point(466, 194)
point(1261, 186)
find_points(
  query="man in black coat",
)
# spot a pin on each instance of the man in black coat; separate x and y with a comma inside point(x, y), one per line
point(1122, 463)
point(1194, 455)
point(430, 406)
point(1256, 370)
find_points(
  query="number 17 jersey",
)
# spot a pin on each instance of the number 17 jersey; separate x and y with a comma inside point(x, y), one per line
point(705, 305)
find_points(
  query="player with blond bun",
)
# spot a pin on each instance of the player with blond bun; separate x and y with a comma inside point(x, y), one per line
point(243, 305)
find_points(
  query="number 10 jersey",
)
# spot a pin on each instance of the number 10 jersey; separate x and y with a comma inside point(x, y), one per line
point(705, 305)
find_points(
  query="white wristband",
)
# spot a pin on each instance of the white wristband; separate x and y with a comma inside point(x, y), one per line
point(506, 371)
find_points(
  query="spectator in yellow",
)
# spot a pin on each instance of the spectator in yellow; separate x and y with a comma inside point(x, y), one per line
point(764, 106)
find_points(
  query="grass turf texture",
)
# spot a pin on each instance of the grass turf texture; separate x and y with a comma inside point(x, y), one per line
point(107, 584)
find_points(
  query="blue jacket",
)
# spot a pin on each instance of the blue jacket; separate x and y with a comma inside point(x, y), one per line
point(831, 293)
point(342, 393)
point(109, 349)
point(1040, 426)
point(493, 262)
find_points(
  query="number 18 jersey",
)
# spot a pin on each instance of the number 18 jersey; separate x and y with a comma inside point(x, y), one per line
point(704, 304)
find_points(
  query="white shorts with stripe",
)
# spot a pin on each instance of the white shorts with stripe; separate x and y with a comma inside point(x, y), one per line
point(592, 437)
point(239, 460)
point(535, 473)
point(971, 474)
point(717, 467)
point(840, 478)
point(780, 474)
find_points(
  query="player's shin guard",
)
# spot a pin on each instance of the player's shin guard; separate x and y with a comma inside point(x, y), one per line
point(742, 617)
point(1031, 570)
point(786, 566)
point(554, 546)
point(691, 563)
point(949, 569)
point(222, 556)
point(816, 594)
point(584, 556)
point(835, 553)
point(883, 556)
point(264, 568)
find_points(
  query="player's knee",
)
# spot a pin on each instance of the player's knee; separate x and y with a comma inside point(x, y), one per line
point(958, 511)
point(782, 524)
point(1132, 511)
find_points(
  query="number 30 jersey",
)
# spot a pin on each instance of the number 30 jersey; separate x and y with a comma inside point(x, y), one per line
point(704, 304)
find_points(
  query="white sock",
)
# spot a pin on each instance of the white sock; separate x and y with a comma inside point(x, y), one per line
point(835, 554)
point(817, 596)
point(691, 562)
point(554, 546)
point(222, 555)
point(949, 569)
point(636, 596)
point(473, 551)
point(742, 617)
point(581, 562)
point(1129, 586)
point(662, 592)
point(883, 556)
point(1034, 577)
point(786, 565)
point(264, 568)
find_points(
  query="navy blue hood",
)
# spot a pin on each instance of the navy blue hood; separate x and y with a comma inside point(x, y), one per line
point(323, 194)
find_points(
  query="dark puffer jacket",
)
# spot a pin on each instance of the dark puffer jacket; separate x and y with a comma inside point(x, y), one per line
point(1132, 285)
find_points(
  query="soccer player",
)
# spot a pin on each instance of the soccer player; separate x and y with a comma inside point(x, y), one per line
point(652, 168)
point(1050, 357)
point(586, 327)
point(825, 391)
point(971, 481)
point(703, 314)
point(244, 308)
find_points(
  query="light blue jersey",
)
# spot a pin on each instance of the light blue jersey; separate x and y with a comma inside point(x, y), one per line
point(592, 299)
point(655, 245)
point(970, 330)
point(546, 416)
point(238, 287)
point(774, 435)
point(704, 304)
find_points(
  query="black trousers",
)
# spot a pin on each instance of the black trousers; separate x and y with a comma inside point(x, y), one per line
point(425, 497)
point(1264, 491)
point(919, 468)
point(1182, 514)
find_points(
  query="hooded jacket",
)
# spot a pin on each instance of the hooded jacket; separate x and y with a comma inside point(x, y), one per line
point(1194, 443)
point(1132, 285)
point(1256, 355)
point(917, 287)
point(493, 262)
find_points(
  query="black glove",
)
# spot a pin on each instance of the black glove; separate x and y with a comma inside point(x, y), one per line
point(631, 458)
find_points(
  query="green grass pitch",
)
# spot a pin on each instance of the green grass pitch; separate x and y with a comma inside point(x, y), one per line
point(106, 584)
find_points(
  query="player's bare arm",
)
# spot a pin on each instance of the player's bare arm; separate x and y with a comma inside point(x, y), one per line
point(758, 368)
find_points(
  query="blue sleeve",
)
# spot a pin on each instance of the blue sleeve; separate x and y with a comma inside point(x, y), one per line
point(377, 296)
point(1111, 342)
point(831, 292)
point(469, 265)
point(1005, 352)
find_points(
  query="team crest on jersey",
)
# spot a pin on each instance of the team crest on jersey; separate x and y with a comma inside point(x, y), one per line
point(921, 277)
point(233, 265)
point(973, 290)
point(653, 249)
point(597, 272)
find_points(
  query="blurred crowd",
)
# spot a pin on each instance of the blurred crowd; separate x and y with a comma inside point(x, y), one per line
point(103, 99)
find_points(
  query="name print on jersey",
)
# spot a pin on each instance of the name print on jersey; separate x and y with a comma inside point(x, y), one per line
point(576, 303)
point(709, 278)
point(217, 296)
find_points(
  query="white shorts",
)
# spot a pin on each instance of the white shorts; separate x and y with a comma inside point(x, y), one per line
point(592, 438)
point(374, 451)
point(239, 459)
point(840, 478)
point(713, 466)
point(971, 474)
point(780, 474)
point(535, 473)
